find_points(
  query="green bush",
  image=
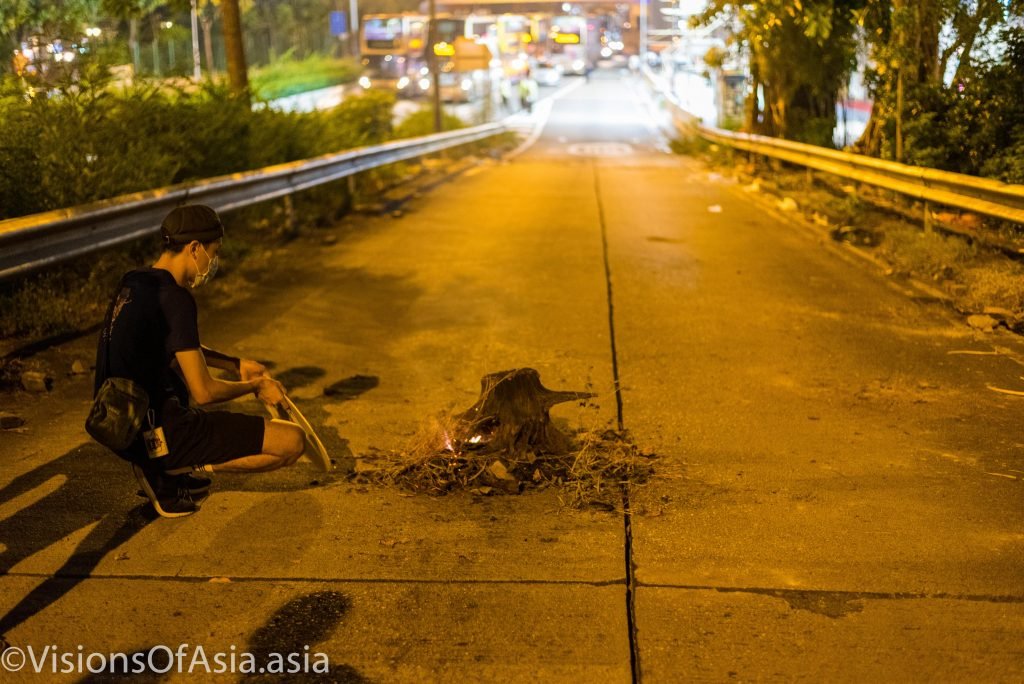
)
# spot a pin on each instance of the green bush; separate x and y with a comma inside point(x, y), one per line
point(289, 76)
point(421, 122)
point(91, 142)
point(977, 128)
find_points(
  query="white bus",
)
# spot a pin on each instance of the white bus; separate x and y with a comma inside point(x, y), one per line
point(392, 48)
point(569, 44)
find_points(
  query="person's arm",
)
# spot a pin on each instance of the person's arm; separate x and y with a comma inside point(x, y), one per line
point(247, 369)
point(206, 389)
point(221, 360)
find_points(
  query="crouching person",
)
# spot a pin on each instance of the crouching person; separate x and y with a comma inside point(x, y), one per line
point(151, 337)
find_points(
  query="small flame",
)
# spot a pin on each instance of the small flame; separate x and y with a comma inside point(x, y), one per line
point(475, 439)
point(448, 442)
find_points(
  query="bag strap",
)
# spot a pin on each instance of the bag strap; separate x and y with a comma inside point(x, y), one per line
point(109, 327)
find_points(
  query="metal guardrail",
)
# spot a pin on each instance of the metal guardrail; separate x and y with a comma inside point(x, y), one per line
point(29, 243)
point(980, 195)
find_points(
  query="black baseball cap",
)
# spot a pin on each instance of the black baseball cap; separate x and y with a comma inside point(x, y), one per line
point(191, 222)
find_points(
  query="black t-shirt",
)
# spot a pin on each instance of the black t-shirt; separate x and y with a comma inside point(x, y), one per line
point(149, 319)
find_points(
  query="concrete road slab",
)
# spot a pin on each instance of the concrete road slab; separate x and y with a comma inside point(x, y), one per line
point(708, 635)
point(828, 432)
point(379, 631)
point(351, 532)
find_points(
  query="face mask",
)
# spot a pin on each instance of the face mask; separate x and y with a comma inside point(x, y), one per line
point(211, 270)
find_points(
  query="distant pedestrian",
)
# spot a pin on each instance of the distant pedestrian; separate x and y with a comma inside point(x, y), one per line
point(150, 336)
point(505, 90)
point(19, 63)
point(528, 91)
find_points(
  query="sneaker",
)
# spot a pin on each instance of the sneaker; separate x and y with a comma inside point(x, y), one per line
point(196, 486)
point(169, 499)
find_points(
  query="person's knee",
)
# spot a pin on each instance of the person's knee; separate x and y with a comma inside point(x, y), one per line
point(294, 444)
point(284, 440)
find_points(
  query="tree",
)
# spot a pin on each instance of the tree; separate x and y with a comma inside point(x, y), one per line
point(800, 55)
point(22, 19)
point(908, 76)
point(133, 11)
point(207, 10)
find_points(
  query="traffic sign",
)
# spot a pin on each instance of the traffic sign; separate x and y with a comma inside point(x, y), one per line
point(339, 23)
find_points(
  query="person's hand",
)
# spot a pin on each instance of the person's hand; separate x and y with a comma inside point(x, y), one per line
point(269, 391)
point(250, 370)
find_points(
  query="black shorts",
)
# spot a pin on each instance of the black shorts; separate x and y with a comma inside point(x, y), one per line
point(196, 437)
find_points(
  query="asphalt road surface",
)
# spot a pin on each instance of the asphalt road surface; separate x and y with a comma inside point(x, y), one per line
point(841, 497)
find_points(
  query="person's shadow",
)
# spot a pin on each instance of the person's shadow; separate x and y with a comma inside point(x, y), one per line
point(88, 487)
point(293, 630)
point(92, 485)
point(298, 625)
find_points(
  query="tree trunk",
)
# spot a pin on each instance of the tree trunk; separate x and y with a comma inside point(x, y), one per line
point(751, 110)
point(208, 44)
point(231, 20)
point(511, 415)
point(154, 23)
point(133, 44)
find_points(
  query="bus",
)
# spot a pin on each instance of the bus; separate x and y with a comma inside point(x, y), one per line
point(457, 84)
point(393, 54)
point(570, 44)
point(510, 38)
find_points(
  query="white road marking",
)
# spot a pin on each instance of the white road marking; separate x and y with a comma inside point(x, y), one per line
point(600, 149)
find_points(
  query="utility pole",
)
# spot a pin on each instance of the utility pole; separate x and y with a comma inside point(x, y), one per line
point(353, 29)
point(197, 73)
point(434, 65)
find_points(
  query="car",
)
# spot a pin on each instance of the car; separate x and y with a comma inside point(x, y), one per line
point(547, 74)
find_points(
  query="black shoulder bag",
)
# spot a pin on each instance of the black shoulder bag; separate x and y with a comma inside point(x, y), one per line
point(119, 408)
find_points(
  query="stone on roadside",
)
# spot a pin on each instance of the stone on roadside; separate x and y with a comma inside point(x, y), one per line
point(499, 471)
point(982, 322)
point(34, 381)
point(9, 421)
point(78, 368)
point(787, 204)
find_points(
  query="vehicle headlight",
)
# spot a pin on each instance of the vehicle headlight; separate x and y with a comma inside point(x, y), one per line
point(365, 82)
point(606, 52)
point(467, 84)
point(424, 84)
point(402, 82)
